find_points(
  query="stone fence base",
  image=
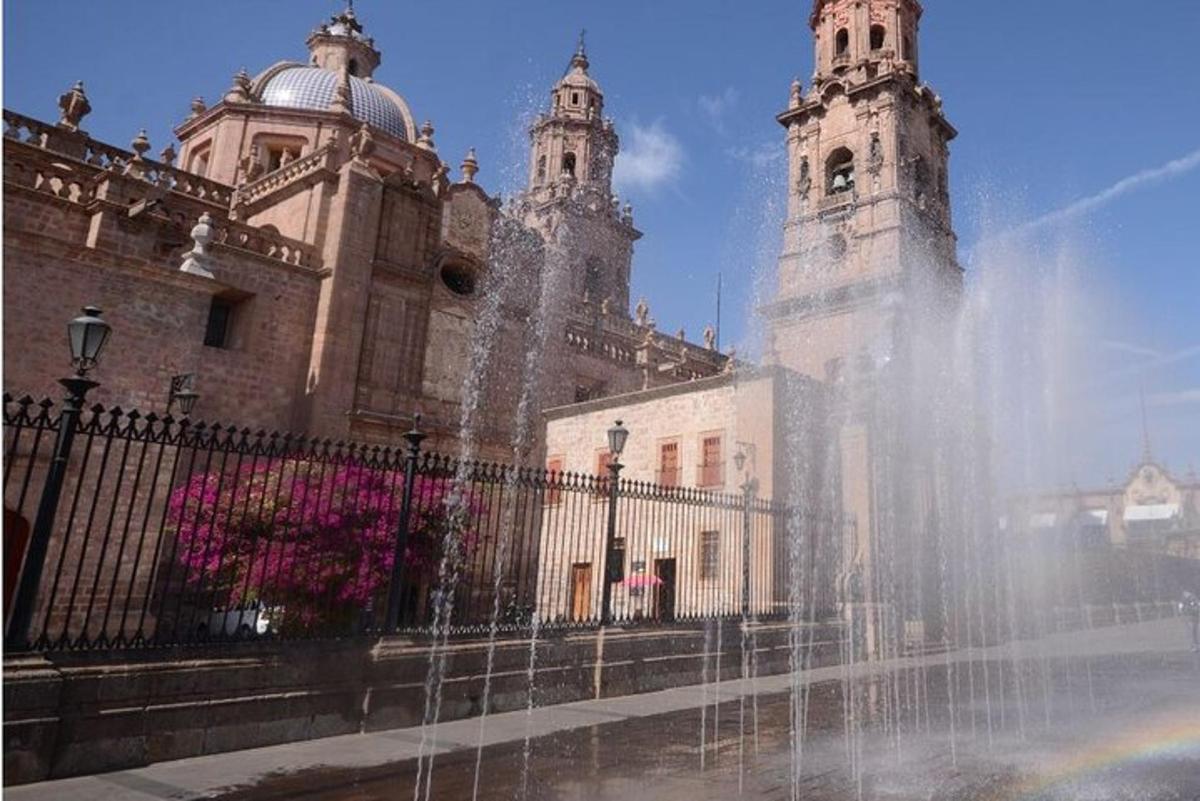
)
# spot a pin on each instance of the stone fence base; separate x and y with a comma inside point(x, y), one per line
point(81, 713)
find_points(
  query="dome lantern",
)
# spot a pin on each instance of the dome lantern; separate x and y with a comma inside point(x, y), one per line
point(342, 44)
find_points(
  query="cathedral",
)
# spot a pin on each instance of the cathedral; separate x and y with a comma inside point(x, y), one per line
point(305, 260)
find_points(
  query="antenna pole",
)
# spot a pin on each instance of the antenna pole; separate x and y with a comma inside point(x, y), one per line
point(718, 312)
point(1147, 454)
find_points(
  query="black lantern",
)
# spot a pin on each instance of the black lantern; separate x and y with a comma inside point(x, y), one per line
point(87, 335)
point(739, 459)
point(183, 393)
point(616, 440)
point(187, 399)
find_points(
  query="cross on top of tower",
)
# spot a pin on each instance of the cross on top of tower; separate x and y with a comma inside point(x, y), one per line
point(579, 61)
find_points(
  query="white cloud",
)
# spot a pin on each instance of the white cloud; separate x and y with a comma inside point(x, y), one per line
point(1088, 204)
point(760, 156)
point(717, 107)
point(1183, 397)
point(651, 158)
point(1131, 348)
point(1148, 361)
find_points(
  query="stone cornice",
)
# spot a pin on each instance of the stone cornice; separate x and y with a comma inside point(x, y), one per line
point(922, 93)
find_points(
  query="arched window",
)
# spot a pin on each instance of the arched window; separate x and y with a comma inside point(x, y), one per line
point(878, 37)
point(839, 172)
point(907, 53)
point(842, 43)
point(352, 67)
point(541, 169)
point(568, 166)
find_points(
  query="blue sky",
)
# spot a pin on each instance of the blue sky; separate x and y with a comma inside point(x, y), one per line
point(1056, 102)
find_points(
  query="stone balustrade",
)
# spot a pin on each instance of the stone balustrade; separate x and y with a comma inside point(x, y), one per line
point(71, 165)
point(80, 147)
point(265, 243)
point(294, 171)
point(607, 347)
point(618, 340)
point(58, 180)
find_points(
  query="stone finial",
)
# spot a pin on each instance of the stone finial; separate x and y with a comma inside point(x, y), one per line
point(140, 144)
point(167, 156)
point(74, 106)
point(240, 91)
point(198, 261)
point(641, 313)
point(710, 337)
point(425, 140)
point(682, 334)
point(198, 107)
point(731, 360)
point(470, 166)
point(797, 94)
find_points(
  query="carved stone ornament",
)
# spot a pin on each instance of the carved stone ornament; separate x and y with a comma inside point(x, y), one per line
point(362, 143)
point(804, 182)
point(74, 106)
point(641, 313)
point(198, 261)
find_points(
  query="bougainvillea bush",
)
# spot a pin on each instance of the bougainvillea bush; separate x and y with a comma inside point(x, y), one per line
point(314, 542)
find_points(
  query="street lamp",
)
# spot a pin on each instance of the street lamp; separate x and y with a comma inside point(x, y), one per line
point(86, 336)
point(395, 599)
point(614, 568)
point(182, 390)
point(617, 436)
point(749, 488)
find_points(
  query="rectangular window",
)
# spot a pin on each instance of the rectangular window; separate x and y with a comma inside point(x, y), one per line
point(220, 323)
point(668, 464)
point(710, 554)
point(603, 460)
point(711, 467)
point(554, 469)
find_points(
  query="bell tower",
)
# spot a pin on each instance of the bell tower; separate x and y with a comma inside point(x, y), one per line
point(867, 279)
point(868, 217)
point(570, 197)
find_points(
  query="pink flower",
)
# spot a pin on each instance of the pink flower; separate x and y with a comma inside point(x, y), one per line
point(317, 540)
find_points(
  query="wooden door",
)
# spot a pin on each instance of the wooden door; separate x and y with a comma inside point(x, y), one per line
point(581, 591)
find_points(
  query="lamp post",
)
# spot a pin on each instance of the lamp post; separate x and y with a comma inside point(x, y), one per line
point(613, 567)
point(86, 335)
point(183, 391)
point(414, 438)
point(749, 488)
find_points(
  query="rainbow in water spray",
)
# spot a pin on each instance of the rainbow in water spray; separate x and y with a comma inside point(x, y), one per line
point(1173, 736)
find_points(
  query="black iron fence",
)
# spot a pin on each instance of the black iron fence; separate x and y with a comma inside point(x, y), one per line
point(166, 531)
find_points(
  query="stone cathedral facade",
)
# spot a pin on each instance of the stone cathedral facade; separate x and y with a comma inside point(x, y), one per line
point(309, 258)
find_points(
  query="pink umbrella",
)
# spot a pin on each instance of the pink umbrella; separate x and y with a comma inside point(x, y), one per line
point(642, 581)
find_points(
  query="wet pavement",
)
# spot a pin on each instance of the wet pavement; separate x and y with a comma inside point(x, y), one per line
point(1106, 715)
point(1115, 729)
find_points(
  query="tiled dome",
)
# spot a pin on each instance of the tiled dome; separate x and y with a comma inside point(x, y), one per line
point(313, 88)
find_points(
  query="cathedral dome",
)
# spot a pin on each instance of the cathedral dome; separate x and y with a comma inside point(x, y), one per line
point(310, 87)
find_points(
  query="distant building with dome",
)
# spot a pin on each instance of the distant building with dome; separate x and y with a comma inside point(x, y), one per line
point(305, 255)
